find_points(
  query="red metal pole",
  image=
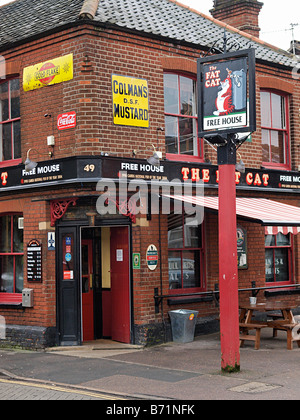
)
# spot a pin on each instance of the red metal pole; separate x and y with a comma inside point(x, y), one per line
point(228, 270)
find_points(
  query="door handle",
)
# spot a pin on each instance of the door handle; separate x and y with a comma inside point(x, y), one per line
point(91, 281)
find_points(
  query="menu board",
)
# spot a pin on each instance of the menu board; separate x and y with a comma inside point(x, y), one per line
point(34, 261)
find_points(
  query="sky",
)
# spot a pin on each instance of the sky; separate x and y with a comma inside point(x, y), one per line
point(275, 21)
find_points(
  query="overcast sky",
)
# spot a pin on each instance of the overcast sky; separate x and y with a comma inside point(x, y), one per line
point(275, 19)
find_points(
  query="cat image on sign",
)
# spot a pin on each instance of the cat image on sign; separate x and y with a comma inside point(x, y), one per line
point(224, 99)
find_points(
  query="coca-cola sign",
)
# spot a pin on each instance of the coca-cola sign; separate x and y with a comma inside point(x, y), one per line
point(67, 120)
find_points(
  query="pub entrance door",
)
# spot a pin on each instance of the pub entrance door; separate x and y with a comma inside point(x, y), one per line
point(105, 284)
point(94, 297)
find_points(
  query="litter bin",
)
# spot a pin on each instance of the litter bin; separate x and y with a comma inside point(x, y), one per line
point(183, 324)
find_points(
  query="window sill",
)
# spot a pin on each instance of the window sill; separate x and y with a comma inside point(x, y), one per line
point(8, 163)
point(12, 299)
point(11, 305)
point(184, 158)
point(276, 167)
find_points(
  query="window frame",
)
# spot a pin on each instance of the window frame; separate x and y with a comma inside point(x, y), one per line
point(18, 160)
point(12, 297)
point(290, 249)
point(202, 269)
point(287, 145)
point(180, 156)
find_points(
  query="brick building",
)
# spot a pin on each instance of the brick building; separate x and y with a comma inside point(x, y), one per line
point(87, 88)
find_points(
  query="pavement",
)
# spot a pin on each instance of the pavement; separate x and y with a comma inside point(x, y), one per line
point(171, 372)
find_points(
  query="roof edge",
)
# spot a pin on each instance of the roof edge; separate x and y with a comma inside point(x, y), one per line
point(89, 9)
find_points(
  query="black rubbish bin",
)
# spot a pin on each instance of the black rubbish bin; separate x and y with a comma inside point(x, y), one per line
point(183, 323)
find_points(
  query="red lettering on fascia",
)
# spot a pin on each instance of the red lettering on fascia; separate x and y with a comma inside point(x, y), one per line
point(4, 177)
point(237, 177)
point(205, 175)
point(249, 178)
point(266, 178)
point(185, 172)
point(257, 180)
point(195, 174)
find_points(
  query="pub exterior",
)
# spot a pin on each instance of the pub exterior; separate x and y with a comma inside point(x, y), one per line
point(93, 243)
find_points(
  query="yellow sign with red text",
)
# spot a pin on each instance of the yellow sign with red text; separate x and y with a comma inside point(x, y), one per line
point(48, 73)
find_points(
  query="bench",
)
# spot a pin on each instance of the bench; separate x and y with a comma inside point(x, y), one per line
point(289, 329)
point(244, 330)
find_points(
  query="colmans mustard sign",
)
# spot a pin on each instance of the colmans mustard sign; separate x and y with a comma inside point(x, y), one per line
point(130, 101)
point(48, 73)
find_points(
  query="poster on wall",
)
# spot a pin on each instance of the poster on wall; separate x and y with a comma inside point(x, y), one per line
point(130, 101)
point(152, 257)
point(48, 73)
point(226, 90)
point(241, 236)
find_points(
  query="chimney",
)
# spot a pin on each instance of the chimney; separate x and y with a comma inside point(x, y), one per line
point(242, 14)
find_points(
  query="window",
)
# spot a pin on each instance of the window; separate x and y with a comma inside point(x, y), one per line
point(11, 257)
point(278, 256)
point(181, 123)
point(185, 255)
point(10, 127)
point(275, 133)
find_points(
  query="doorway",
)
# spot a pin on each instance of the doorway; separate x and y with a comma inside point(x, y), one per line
point(93, 283)
point(105, 283)
point(87, 294)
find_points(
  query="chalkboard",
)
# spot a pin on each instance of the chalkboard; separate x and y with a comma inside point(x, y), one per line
point(34, 261)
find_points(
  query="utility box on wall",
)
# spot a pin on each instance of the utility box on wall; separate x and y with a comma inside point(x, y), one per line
point(27, 298)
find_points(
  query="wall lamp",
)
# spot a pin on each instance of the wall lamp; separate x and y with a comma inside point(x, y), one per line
point(240, 166)
point(30, 164)
point(155, 158)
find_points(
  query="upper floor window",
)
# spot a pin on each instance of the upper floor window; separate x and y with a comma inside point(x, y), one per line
point(11, 257)
point(10, 128)
point(275, 129)
point(181, 123)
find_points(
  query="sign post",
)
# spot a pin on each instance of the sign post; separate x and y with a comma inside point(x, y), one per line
point(226, 109)
point(228, 270)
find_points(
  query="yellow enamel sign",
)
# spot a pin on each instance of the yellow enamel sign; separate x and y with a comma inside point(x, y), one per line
point(130, 101)
point(48, 73)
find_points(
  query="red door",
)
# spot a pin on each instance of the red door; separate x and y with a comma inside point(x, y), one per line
point(87, 290)
point(120, 292)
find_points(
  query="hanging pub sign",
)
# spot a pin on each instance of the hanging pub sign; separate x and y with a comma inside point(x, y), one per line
point(226, 93)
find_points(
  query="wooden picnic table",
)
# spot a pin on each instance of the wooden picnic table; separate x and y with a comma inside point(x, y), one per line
point(284, 321)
